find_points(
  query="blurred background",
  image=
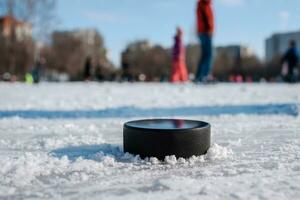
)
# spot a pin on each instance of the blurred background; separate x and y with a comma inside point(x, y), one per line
point(131, 40)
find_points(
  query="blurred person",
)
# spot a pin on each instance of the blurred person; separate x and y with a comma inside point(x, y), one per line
point(6, 77)
point(88, 69)
point(290, 59)
point(99, 73)
point(205, 27)
point(29, 79)
point(179, 72)
point(126, 72)
point(239, 79)
point(37, 70)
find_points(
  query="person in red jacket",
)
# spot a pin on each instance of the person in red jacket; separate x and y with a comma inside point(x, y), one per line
point(205, 25)
point(179, 71)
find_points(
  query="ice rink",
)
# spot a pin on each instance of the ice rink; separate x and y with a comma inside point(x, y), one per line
point(64, 141)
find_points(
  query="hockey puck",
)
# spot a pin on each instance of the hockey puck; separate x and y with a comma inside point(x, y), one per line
point(165, 137)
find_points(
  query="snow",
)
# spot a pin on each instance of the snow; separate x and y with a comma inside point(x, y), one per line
point(64, 141)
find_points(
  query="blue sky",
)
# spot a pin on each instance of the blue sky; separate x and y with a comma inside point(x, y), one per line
point(247, 22)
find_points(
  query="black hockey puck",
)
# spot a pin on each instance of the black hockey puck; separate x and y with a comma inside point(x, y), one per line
point(165, 137)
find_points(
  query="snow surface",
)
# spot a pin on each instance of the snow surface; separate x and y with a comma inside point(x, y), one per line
point(64, 141)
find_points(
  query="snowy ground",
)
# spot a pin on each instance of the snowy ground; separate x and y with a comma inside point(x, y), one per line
point(64, 141)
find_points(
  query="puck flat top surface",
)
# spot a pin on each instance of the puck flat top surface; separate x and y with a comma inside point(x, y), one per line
point(166, 124)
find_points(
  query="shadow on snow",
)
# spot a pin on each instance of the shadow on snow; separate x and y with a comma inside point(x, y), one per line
point(91, 152)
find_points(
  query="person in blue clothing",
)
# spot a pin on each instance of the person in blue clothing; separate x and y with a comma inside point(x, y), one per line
point(206, 27)
point(291, 59)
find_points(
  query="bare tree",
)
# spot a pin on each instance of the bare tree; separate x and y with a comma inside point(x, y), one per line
point(141, 57)
point(70, 49)
point(38, 14)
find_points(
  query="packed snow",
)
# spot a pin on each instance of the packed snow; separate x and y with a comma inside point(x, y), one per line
point(64, 141)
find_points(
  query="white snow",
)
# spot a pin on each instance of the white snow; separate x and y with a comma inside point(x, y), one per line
point(54, 144)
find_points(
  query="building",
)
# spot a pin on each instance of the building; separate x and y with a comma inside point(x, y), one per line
point(277, 44)
point(71, 49)
point(231, 60)
point(10, 25)
point(235, 51)
point(92, 42)
point(143, 45)
point(130, 51)
point(90, 39)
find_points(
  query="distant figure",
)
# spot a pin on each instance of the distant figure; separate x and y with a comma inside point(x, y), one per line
point(126, 71)
point(205, 23)
point(88, 69)
point(37, 70)
point(179, 71)
point(29, 79)
point(291, 58)
point(99, 73)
